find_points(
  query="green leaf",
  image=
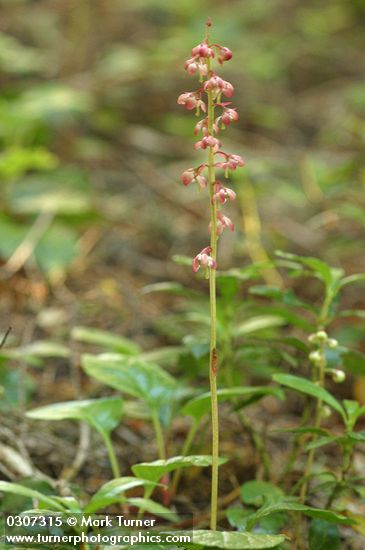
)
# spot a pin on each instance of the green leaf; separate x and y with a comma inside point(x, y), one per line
point(273, 506)
point(326, 440)
point(236, 541)
point(237, 517)
point(323, 535)
point(17, 489)
point(105, 339)
point(135, 377)
point(353, 411)
point(111, 492)
point(103, 414)
point(255, 492)
point(287, 297)
point(200, 405)
point(259, 322)
point(152, 508)
point(329, 275)
point(154, 471)
point(351, 279)
point(309, 388)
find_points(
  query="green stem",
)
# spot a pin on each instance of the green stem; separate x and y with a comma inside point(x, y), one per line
point(159, 435)
point(213, 319)
point(111, 453)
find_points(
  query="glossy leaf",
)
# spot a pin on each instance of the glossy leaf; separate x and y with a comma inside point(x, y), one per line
point(154, 471)
point(309, 388)
point(103, 414)
point(141, 379)
point(113, 491)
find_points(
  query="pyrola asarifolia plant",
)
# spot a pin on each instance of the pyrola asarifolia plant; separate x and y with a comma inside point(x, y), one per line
point(209, 98)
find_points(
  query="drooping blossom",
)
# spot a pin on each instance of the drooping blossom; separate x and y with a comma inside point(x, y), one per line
point(222, 194)
point(204, 259)
point(191, 100)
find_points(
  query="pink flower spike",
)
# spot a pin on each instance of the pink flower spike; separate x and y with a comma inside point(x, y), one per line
point(204, 259)
point(208, 141)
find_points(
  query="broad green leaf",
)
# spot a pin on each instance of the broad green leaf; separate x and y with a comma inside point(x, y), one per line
point(200, 405)
point(353, 411)
point(255, 492)
point(111, 492)
point(141, 379)
point(323, 535)
point(236, 541)
point(354, 361)
point(103, 414)
point(17, 489)
point(45, 348)
point(273, 506)
point(163, 356)
point(152, 507)
point(154, 471)
point(105, 339)
point(237, 517)
point(309, 388)
point(57, 249)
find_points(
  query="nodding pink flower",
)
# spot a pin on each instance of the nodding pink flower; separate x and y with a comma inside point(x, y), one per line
point(224, 54)
point(202, 125)
point(191, 65)
point(223, 222)
point(218, 85)
point(228, 89)
point(194, 174)
point(228, 116)
point(191, 100)
point(208, 141)
point(204, 259)
point(203, 69)
point(188, 176)
point(222, 194)
point(231, 162)
point(202, 50)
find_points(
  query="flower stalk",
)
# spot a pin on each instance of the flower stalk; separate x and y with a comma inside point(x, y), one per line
point(208, 99)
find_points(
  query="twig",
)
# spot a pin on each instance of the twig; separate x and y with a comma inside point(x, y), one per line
point(5, 337)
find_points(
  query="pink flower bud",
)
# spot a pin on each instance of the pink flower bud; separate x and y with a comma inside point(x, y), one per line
point(204, 259)
point(224, 54)
point(222, 194)
point(228, 116)
point(188, 176)
point(208, 141)
point(191, 66)
point(223, 222)
point(188, 99)
point(228, 89)
point(202, 50)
